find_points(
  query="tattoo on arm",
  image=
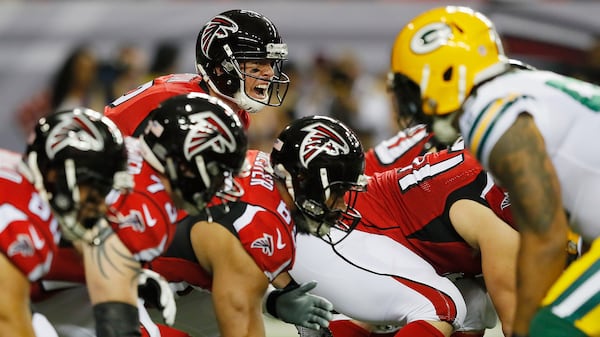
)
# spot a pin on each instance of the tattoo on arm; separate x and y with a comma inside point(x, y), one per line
point(107, 260)
point(521, 164)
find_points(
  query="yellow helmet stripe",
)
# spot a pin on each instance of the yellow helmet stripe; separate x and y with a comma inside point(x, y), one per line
point(486, 120)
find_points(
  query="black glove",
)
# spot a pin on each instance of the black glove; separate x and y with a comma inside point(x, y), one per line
point(155, 291)
point(295, 305)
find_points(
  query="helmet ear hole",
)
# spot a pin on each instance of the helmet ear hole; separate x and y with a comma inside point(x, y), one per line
point(447, 76)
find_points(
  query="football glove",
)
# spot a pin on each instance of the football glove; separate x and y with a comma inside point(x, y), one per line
point(155, 291)
point(293, 304)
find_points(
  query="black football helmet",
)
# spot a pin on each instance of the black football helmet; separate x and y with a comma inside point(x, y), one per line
point(197, 142)
point(234, 37)
point(320, 159)
point(72, 148)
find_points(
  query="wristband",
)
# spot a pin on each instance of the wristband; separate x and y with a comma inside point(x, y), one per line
point(116, 319)
point(271, 304)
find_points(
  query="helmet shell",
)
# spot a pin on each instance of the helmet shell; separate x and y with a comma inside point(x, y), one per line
point(444, 52)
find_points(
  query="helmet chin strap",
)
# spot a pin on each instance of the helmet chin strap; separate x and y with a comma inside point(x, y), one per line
point(245, 102)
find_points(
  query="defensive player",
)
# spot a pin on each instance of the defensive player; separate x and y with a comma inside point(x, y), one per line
point(239, 58)
point(526, 127)
point(73, 159)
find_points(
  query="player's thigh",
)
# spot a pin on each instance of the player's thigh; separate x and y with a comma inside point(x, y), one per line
point(375, 279)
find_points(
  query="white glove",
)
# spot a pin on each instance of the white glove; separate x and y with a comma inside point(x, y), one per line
point(155, 290)
point(295, 305)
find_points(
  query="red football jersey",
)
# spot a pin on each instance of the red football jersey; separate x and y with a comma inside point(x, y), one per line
point(399, 150)
point(260, 219)
point(131, 110)
point(411, 205)
point(145, 217)
point(29, 233)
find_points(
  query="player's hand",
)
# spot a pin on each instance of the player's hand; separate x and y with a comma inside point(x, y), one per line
point(155, 291)
point(295, 305)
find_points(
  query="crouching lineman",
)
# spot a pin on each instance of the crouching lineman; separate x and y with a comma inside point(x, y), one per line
point(243, 244)
point(193, 143)
point(73, 159)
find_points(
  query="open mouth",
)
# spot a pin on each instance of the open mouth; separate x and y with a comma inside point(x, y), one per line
point(260, 91)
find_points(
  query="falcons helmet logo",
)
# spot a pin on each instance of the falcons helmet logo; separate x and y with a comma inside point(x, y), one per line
point(218, 28)
point(208, 131)
point(78, 132)
point(321, 139)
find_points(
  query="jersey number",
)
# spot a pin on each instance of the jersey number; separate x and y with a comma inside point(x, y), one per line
point(421, 171)
point(583, 92)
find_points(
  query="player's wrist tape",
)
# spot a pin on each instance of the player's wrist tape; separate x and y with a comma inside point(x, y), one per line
point(116, 319)
point(271, 304)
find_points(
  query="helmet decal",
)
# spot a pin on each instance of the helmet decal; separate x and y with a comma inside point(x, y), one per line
point(209, 131)
point(78, 132)
point(430, 37)
point(321, 138)
point(218, 28)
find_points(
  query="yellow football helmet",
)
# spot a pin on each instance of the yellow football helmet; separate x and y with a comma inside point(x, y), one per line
point(440, 55)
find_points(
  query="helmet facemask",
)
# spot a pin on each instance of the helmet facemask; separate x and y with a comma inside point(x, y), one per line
point(316, 211)
point(194, 187)
point(64, 195)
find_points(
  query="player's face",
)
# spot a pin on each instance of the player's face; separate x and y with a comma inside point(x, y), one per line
point(92, 205)
point(257, 80)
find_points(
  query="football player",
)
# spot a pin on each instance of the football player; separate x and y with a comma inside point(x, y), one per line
point(73, 159)
point(244, 244)
point(239, 58)
point(192, 145)
point(526, 126)
point(442, 215)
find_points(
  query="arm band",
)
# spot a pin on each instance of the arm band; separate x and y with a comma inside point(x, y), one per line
point(117, 319)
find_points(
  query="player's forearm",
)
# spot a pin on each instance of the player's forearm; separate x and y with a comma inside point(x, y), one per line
point(9, 327)
point(237, 322)
point(505, 300)
point(541, 260)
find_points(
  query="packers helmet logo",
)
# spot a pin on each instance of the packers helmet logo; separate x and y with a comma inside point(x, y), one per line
point(430, 38)
point(218, 28)
point(76, 132)
point(320, 138)
point(208, 131)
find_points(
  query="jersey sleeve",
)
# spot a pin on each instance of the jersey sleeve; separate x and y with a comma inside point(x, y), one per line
point(485, 120)
point(143, 218)
point(29, 233)
point(265, 235)
point(397, 151)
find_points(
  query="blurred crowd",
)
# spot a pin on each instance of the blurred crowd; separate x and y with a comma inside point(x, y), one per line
point(337, 86)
